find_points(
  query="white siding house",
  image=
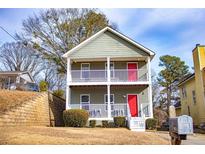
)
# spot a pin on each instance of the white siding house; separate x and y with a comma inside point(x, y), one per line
point(109, 75)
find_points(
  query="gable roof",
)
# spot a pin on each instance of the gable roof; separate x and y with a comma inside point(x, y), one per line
point(79, 46)
point(186, 78)
point(17, 73)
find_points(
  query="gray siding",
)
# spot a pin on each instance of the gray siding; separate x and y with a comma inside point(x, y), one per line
point(97, 93)
point(108, 44)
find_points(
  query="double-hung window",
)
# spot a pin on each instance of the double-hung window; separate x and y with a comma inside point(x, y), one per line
point(85, 101)
point(112, 73)
point(111, 101)
point(85, 71)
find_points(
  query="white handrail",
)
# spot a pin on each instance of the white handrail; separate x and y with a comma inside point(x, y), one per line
point(116, 75)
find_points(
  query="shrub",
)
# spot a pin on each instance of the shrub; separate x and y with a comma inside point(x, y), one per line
point(105, 123)
point(98, 126)
point(75, 117)
point(58, 93)
point(120, 121)
point(92, 123)
point(151, 123)
point(111, 125)
point(43, 86)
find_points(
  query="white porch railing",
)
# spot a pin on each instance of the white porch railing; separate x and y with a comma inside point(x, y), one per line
point(144, 110)
point(133, 75)
point(117, 109)
point(88, 76)
point(117, 75)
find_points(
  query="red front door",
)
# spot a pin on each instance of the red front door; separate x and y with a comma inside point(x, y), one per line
point(132, 71)
point(133, 105)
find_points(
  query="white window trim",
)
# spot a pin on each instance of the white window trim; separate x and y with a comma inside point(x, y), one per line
point(81, 77)
point(110, 102)
point(81, 99)
point(112, 77)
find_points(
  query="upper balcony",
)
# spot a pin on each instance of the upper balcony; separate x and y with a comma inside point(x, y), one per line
point(119, 72)
point(116, 75)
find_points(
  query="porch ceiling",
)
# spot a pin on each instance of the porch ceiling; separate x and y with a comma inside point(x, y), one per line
point(103, 86)
point(111, 59)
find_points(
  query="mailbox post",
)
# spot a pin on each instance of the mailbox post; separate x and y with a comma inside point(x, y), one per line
point(179, 128)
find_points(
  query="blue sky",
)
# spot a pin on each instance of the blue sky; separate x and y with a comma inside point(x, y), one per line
point(165, 31)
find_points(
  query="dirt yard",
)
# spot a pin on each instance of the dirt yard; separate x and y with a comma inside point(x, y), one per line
point(62, 135)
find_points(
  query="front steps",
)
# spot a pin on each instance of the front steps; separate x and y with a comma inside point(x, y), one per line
point(136, 124)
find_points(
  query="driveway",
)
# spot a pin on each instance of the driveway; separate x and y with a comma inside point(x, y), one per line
point(62, 135)
point(195, 139)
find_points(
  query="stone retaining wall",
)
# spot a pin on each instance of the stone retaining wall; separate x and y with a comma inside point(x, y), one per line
point(35, 112)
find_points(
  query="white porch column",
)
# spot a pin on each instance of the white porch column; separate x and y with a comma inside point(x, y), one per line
point(68, 99)
point(108, 101)
point(150, 87)
point(108, 88)
point(108, 69)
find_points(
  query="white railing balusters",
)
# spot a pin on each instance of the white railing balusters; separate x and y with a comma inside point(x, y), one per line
point(117, 75)
point(117, 109)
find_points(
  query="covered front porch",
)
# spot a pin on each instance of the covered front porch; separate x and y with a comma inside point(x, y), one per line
point(128, 101)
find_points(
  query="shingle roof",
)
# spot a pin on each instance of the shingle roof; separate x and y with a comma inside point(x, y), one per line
point(186, 78)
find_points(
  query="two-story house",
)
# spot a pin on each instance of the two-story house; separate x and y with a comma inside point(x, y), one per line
point(109, 75)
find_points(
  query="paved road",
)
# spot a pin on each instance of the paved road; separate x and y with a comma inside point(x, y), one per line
point(195, 139)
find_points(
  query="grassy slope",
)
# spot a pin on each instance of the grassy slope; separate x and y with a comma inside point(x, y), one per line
point(9, 99)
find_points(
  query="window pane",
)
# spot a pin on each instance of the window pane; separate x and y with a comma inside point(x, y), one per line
point(111, 98)
point(111, 70)
point(85, 71)
point(85, 66)
point(85, 98)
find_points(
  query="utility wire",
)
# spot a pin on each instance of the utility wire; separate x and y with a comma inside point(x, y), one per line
point(8, 33)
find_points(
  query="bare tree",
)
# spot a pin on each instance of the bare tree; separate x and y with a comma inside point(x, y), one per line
point(54, 79)
point(16, 57)
point(53, 32)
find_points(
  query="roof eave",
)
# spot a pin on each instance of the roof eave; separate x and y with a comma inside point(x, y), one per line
point(181, 83)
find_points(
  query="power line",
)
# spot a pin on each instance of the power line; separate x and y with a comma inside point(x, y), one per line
point(8, 33)
point(25, 43)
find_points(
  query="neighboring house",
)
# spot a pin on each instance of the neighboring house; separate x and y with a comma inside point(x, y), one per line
point(21, 80)
point(109, 75)
point(192, 88)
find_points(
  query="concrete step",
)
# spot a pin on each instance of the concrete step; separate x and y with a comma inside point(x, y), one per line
point(136, 123)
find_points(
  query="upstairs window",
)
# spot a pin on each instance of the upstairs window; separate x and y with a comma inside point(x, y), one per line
point(194, 96)
point(111, 69)
point(184, 94)
point(85, 71)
